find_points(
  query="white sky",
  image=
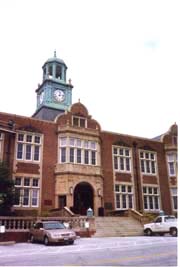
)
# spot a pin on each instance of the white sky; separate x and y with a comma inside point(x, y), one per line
point(123, 58)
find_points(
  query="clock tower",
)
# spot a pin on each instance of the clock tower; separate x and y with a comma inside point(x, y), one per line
point(54, 95)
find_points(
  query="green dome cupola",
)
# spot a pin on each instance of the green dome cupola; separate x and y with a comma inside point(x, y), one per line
point(54, 95)
point(54, 68)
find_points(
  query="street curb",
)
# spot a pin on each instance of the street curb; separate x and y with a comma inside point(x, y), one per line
point(7, 243)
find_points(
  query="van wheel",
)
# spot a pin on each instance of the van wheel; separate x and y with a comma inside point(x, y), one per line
point(46, 241)
point(148, 232)
point(173, 231)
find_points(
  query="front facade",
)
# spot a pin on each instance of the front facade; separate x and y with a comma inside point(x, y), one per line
point(61, 157)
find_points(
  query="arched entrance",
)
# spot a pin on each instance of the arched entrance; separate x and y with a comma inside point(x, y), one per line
point(83, 198)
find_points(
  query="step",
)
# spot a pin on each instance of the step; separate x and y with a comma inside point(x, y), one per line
point(117, 226)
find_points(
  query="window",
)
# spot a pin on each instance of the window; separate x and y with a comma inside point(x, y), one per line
point(151, 198)
point(174, 197)
point(148, 162)
point(122, 159)
point(172, 163)
point(86, 157)
point(75, 150)
point(71, 158)
point(123, 196)
point(174, 140)
point(78, 156)
point(79, 122)
point(63, 154)
point(158, 220)
point(26, 191)
point(28, 147)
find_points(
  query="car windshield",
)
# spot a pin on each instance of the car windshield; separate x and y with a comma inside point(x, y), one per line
point(53, 225)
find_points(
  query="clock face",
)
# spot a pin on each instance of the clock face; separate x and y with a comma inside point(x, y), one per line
point(59, 95)
point(41, 97)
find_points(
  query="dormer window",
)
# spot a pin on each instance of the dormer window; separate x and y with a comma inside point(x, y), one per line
point(172, 163)
point(174, 140)
point(79, 122)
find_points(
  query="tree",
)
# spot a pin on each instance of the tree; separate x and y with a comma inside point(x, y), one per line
point(7, 190)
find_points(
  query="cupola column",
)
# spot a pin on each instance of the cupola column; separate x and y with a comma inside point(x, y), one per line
point(63, 74)
point(54, 70)
point(47, 72)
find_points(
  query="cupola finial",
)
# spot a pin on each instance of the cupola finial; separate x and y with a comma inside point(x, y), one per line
point(55, 53)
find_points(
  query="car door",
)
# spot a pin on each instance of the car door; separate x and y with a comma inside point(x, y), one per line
point(158, 226)
point(39, 231)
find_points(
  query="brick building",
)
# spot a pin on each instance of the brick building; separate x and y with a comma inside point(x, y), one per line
point(61, 157)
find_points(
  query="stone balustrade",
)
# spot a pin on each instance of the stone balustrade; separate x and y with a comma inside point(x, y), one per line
point(19, 224)
point(138, 216)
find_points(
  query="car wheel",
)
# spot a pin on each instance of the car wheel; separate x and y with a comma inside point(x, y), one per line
point(71, 242)
point(161, 234)
point(148, 232)
point(32, 240)
point(173, 231)
point(46, 241)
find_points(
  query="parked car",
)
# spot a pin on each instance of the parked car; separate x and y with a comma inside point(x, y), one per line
point(162, 225)
point(51, 232)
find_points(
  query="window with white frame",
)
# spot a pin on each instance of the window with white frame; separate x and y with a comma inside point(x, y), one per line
point(26, 191)
point(79, 121)
point(172, 163)
point(122, 159)
point(174, 140)
point(78, 151)
point(148, 162)
point(28, 147)
point(124, 196)
point(174, 197)
point(1, 145)
point(151, 198)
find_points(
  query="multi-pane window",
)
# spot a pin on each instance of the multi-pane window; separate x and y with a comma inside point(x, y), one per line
point(1, 144)
point(122, 159)
point(79, 121)
point(172, 163)
point(75, 150)
point(151, 198)
point(28, 147)
point(148, 162)
point(174, 140)
point(174, 197)
point(26, 191)
point(124, 196)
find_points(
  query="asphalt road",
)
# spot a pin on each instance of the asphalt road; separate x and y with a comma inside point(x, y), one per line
point(112, 251)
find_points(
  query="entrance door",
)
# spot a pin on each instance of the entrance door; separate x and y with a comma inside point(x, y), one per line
point(62, 202)
point(83, 198)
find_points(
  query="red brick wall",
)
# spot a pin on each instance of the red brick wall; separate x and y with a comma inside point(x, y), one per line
point(50, 152)
point(108, 139)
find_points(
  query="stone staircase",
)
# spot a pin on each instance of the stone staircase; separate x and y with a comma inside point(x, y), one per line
point(117, 226)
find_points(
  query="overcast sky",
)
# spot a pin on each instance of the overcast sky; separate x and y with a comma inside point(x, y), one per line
point(123, 58)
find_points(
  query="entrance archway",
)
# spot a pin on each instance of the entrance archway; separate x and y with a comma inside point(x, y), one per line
point(83, 198)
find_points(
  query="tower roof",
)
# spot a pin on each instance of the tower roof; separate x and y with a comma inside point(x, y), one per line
point(55, 59)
